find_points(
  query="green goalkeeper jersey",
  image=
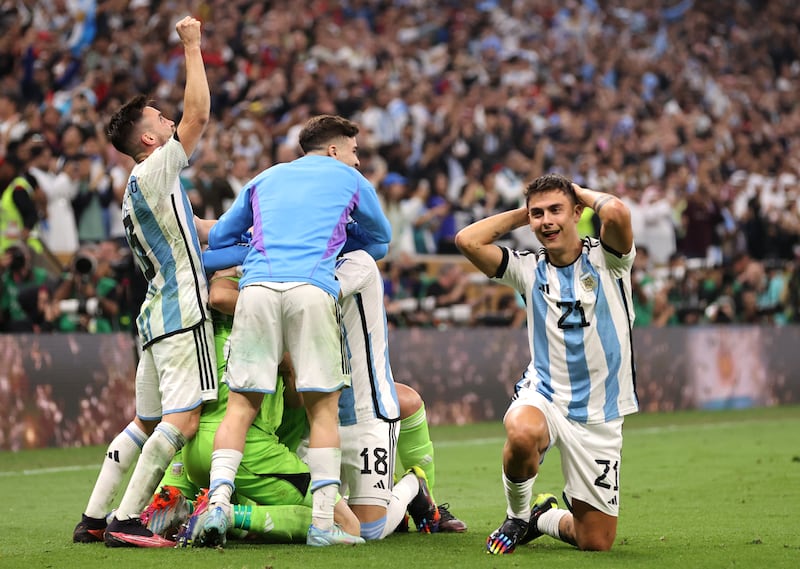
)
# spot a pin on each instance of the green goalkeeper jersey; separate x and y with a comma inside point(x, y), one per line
point(271, 417)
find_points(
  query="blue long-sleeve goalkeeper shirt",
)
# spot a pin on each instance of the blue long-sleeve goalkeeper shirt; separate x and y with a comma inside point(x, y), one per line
point(299, 211)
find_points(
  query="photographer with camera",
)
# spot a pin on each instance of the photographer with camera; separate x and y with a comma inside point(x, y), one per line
point(87, 297)
point(24, 292)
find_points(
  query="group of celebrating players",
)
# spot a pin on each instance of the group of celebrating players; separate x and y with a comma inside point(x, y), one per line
point(265, 402)
point(223, 411)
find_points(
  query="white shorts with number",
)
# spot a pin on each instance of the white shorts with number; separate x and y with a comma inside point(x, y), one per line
point(272, 318)
point(368, 460)
point(177, 373)
point(590, 454)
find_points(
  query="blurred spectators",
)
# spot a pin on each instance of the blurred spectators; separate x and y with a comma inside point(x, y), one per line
point(405, 210)
point(57, 177)
point(92, 197)
point(211, 183)
point(404, 286)
point(687, 110)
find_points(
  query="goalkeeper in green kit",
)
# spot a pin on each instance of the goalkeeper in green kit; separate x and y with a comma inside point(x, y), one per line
point(272, 483)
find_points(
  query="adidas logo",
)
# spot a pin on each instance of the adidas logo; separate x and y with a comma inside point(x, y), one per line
point(612, 501)
point(113, 455)
point(380, 485)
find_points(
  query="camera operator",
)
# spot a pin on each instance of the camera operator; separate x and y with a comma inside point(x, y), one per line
point(87, 296)
point(131, 283)
point(25, 296)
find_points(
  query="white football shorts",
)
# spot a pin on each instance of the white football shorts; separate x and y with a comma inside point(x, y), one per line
point(272, 318)
point(591, 455)
point(177, 373)
point(368, 461)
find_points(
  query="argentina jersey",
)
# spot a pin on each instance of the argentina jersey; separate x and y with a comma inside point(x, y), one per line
point(372, 393)
point(579, 326)
point(159, 226)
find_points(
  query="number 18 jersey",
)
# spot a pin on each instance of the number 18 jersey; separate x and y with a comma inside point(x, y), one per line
point(159, 225)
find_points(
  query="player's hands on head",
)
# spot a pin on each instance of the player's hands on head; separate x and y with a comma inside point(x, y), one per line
point(189, 31)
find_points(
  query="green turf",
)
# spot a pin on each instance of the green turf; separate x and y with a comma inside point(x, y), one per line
point(699, 490)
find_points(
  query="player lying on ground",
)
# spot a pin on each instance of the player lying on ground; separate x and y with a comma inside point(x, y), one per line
point(272, 483)
point(369, 429)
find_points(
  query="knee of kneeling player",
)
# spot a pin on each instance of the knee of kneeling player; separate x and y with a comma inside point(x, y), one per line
point(410, 401)
point(525, 437)
point(596, 541)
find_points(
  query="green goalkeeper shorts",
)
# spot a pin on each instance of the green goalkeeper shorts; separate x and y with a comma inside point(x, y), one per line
point(270, 474)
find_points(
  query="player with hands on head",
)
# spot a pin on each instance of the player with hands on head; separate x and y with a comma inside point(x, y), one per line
point(579, 384)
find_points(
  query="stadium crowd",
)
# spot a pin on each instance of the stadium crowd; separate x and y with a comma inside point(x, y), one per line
point(686, 109)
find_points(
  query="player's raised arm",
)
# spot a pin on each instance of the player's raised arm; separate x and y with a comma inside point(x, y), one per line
point(476, 241)
point(615, 218)
point(196, 97)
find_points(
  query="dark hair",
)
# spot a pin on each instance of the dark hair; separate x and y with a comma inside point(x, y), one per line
point(548, 183)
point(122, 128)
point(319, 131)
point(12, 95)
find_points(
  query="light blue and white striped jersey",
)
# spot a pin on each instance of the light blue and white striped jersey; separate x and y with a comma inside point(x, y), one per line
point(159, 225)
point(298, 211)
point(372, 393)
point(579, 323)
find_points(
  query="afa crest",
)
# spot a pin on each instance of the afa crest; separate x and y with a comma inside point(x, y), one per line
point(588, 282)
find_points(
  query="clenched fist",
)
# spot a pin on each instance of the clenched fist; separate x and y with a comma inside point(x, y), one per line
point(189, 31)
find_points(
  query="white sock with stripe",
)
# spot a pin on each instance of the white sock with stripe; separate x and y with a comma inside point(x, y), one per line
point(402, 494)
point(121, 454)
point(325, 465)
point(518, 497)
point(157, 453)
point(224, 465)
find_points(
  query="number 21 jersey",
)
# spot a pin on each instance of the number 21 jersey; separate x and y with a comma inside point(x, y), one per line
point(579, 328)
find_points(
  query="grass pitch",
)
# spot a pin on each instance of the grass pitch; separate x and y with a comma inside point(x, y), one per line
point(698, 490)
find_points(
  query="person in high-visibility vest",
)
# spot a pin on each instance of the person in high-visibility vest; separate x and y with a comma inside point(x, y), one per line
point(19, 204)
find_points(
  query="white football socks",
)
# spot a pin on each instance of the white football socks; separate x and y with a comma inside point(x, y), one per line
point(402, 494)
point(121, 454)
point(549, 520)
point(157, 453)
point(325, 465)
point(224, 465)
point(518, 497)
